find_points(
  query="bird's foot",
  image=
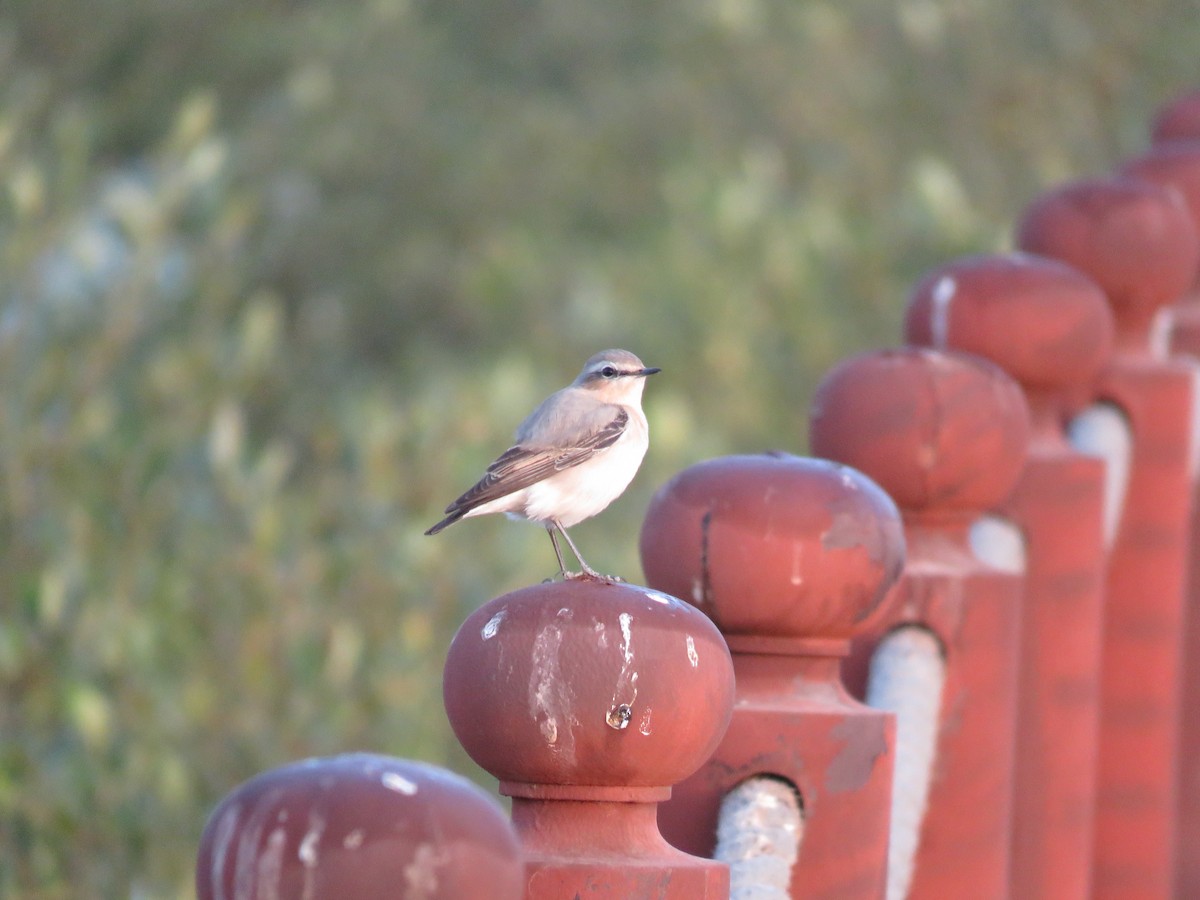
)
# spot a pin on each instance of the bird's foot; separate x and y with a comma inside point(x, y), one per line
point(592, 575)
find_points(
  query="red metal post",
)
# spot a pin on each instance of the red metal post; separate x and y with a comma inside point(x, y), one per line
point(1137, 242)
point(1050, 328)
point(1178, 120)
point(945, 435)
point(790, 557)
point(1176, 165)
point(588, 700)
point(362, 826)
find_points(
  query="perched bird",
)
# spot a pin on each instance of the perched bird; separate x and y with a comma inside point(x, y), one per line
point(574, 454)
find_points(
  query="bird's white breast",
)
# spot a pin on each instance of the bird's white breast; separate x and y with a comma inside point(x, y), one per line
point(582, 491)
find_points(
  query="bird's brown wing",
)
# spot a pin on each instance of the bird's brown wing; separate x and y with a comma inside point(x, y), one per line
point(520, 466)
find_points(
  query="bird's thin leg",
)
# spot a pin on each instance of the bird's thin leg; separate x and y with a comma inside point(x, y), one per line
point(587, 570)
point(562, 569)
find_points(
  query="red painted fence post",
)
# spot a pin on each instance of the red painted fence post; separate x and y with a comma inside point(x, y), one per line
point(588, 700)
point(945, 435)
point(1179, 120)
point(1050, 328)
point(362, 826)
point(790, 557)
point(1176, 165)
point(1137, 242)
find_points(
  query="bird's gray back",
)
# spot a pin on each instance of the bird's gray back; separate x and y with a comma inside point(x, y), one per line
point(565, 417)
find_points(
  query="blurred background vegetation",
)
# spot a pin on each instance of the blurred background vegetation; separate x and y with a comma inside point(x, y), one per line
point(278, 279)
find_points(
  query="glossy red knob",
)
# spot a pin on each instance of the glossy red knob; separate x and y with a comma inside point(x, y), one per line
point(1135, 239)
point(938, 431)
point(1178, 120)
point(361, 826)
point(588, 690)
point(775, 545)
point(1174, 166)
point(1040, 320)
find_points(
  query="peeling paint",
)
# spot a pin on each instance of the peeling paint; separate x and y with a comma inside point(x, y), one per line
point(644, 728)
point(394, 781)
point(307, 853)
point(859, 753)
point(493, 625)
point(693, 656)
point(845, 532)
point(549, 698)
point(421, 875)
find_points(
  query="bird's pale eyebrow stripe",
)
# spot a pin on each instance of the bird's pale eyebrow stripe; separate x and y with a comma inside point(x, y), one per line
point(599, 373)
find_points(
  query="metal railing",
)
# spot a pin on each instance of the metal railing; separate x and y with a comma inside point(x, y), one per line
point(955, 656)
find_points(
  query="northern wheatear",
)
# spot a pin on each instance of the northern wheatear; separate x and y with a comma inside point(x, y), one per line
point(574, 454)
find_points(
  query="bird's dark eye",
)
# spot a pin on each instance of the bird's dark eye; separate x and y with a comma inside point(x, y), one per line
point(609, 372)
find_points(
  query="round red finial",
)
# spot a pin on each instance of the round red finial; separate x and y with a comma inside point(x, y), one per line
point(1174, 166)
point(1040, 320)
point(940, 432)
point(1135, 239)
point(775, 546)
point(361, 826)
point(588, 690)
point(1178, 120)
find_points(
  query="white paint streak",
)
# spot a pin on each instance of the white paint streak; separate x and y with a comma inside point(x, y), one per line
point(421, 875)
point(549, 702)
point(657, 597)
point(625, 692)
point(493, 625)
point(626, 621)
point(307, 853)
point(939, 316)
point(394, 781)
point(270, 867)
point(693, 657)
point(644, 728)
point(354, 839)
point(697, 591)
point(797, 578)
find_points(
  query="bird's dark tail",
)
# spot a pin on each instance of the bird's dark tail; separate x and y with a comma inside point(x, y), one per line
point(448, 521)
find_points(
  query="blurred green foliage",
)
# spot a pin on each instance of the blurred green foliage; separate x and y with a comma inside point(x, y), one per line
point(278, 279)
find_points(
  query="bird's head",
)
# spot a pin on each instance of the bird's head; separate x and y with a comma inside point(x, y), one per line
point(617, 376)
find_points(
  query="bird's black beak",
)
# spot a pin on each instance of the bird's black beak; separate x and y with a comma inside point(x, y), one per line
point(648, 370)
